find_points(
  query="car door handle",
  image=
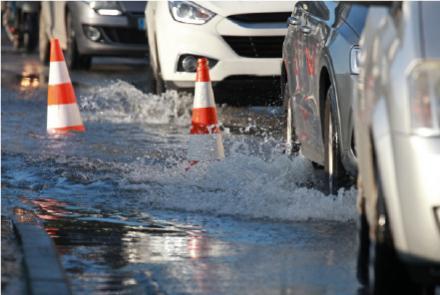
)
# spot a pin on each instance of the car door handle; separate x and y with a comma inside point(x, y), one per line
point(292, 21)
point(306, 29)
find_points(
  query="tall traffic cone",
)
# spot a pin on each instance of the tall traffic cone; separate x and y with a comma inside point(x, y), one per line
point(62, 109)
point(206, 139)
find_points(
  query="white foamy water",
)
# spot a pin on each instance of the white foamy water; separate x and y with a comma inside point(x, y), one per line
point(122, 102)
point(244, 185)
point(256, 180)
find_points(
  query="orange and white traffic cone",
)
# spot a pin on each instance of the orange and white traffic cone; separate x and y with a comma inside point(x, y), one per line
point(206, 139)
point(62, 109)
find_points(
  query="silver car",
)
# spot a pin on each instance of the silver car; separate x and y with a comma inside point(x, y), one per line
point(398, 147)
point(93, 28)
point(319, 71)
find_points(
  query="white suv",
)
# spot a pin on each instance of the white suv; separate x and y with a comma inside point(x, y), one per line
point(242, 40)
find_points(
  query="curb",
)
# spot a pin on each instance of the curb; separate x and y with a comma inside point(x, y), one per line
point(45, 274)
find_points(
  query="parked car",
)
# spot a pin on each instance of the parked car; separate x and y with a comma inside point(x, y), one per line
point(93, 28)
point(319, 71)
point(242, 40)
point(398, 147)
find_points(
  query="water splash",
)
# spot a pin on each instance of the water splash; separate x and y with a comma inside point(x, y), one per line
point(245, 185)
point(121, 102)
point(256, 180)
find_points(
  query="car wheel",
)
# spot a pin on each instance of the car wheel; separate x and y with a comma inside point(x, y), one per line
point(158, 84)
point(389, 274)
point(74, 59)
point(362, 271)
point(30, 35)
point(43, 42)
point(332, 165)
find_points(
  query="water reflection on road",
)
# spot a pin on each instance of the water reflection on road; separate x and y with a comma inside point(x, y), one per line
point(207, 255)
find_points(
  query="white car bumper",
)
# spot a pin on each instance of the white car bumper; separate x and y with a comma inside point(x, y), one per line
point(175, 39)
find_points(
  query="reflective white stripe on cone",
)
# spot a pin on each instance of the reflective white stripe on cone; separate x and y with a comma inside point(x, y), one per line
point(58, 73)
point(203, 95)
point(62, 115)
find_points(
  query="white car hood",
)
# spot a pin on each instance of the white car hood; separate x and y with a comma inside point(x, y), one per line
point(226, 8)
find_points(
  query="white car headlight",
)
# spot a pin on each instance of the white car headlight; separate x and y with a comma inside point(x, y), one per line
point(105, 7)
point(424, 96)
point(189, 12)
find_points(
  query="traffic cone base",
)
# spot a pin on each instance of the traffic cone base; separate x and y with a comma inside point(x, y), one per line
point(206, 147)
point(206, 140)
point(64, 117)
point(66, 129)
point(62, 109)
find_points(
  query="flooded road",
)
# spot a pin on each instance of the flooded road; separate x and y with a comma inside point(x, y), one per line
point(126, 216)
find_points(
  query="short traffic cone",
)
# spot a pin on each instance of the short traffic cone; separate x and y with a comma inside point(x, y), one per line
point(62, 109)
point(206, 139)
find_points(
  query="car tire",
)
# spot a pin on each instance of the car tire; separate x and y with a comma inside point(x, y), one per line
point(332, 164)
point(43, 42)
point(390, 275)
point(30, 36)
point(158, 85)
point(363, 259)
point(74, 59)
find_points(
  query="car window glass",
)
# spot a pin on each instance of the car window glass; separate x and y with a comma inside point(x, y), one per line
point(353, 15)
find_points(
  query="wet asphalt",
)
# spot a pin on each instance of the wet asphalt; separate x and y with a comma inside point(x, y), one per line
point(127, 218)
